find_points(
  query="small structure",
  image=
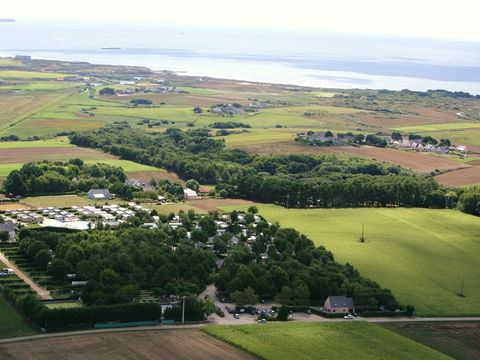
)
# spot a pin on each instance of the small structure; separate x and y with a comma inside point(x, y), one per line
point(189, 194)
point(9, 227)
point(339, 304)
point(203, 190)
point(23, 57)
point(99, 194)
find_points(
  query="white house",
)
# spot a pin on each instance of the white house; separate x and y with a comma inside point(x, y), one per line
point(99, 194)
point(189, 194)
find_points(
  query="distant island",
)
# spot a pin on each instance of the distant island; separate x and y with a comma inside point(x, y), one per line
point(7, 20)
point(111, 48)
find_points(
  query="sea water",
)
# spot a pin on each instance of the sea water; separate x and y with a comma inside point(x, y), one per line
point(288, 57)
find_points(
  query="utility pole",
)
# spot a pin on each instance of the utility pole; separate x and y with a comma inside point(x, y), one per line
point(183, 310)
point(461, 290)
point(288, 200)
point(362, 239)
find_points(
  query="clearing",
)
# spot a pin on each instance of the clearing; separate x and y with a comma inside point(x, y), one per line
point(334, 340)
point(422, 255)
point(155, 344)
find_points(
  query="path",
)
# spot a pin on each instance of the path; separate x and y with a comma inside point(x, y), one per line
point(42, 293)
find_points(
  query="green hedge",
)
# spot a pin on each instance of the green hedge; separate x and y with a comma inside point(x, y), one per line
point(60, 318)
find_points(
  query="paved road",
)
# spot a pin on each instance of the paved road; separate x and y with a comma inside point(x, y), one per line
point(42, 293)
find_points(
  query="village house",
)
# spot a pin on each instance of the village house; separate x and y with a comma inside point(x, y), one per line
point(339, 304)
point(99, 194)
point(189, 194)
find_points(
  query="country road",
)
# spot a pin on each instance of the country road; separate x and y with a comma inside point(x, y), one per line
point(42, 293)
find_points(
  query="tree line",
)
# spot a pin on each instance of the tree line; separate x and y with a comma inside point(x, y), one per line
point(289, 180)
point(48, 177)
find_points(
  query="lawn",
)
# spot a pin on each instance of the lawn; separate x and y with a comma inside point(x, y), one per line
point(63, 305)
point(460, 340)
point(332, 340)
point(11, 324)
point(422, 255)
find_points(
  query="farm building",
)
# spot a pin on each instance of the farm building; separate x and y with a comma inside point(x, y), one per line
point(190, 194)
point(99, 194)
point(339, 304)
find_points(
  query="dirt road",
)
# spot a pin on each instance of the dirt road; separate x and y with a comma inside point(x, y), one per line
point(43, 293)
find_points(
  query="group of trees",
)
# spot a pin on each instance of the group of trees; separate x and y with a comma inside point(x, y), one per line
point(48, 177)
point(295, 272)
point(289, 180)
point(119, 263)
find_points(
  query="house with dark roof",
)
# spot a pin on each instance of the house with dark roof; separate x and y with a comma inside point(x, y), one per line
point(339, 304)
point(99, 194)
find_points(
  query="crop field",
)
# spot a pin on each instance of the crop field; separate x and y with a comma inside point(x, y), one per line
point(460, 340)
point(438, 127)
point(420, 162)
point(11, 324)
point(333, 340)
point(156, 344)
point(422, 255)
point(462, 177)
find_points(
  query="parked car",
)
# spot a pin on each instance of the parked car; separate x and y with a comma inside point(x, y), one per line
point(236, 316)
point(262, 321)
point(348, 317)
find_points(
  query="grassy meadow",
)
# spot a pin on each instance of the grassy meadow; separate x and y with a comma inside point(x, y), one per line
point(332, 340)
point(11, 324)
point(422, 255)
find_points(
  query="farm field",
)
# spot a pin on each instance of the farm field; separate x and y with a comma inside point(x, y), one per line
point(461, 177)
point(423, 163)
point(406, 250)
point(11, 324)
point(460, 340)
point(334, 340)
point(156, 344)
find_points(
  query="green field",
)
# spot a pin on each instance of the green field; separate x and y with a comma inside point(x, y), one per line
point(11, 324)
point(333, 340)
point(128, 166)
point(12, 74)
point(438, 127)
point(56, 142)
point(422, 255)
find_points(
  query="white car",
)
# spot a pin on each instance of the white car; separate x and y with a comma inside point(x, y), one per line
point(348, 317)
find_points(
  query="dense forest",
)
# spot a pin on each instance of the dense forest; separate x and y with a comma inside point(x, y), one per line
point(119, 263)
point(290, 180)
point(58, 177)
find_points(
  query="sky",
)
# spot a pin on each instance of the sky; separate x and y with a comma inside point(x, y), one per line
point(443, 19)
